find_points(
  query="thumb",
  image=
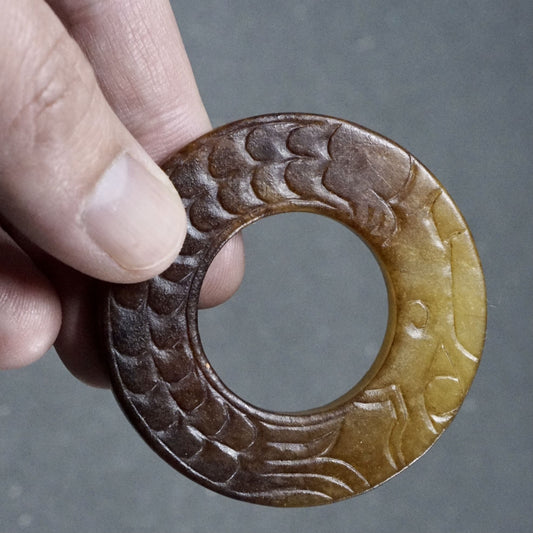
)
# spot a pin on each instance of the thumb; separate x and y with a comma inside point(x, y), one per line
point(72, 178)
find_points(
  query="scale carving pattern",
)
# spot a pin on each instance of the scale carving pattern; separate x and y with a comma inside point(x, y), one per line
point(165, 384)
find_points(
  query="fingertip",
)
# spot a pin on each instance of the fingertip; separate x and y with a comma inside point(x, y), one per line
point(224, 275)
point(30, 312)
point(85, 366)
point(78, 343)
point(26, 336)
point(135, 216)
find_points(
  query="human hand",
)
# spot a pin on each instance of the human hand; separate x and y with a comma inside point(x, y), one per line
point(92, 93)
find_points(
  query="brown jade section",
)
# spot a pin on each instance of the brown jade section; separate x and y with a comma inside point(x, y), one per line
point(266, 165)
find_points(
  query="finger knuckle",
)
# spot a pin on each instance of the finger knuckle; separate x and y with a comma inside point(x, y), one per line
point(57, 95)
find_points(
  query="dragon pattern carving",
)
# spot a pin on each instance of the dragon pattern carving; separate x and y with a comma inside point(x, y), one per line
point(266, 165)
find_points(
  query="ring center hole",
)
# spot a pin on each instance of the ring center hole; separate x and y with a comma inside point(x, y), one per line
point(308, 320)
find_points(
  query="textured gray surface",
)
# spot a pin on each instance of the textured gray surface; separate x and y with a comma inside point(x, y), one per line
point(452, 83)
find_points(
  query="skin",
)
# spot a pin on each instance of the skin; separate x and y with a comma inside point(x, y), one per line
point(83, 83)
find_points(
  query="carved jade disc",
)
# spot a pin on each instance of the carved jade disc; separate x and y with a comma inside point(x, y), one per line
point(272, 164)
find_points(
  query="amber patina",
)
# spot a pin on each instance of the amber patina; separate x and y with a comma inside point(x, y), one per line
point(273, 164)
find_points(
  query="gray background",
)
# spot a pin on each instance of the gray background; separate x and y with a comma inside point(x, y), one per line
point(452, 83)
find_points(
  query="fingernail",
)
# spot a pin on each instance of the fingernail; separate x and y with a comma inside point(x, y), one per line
point(135, 216)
